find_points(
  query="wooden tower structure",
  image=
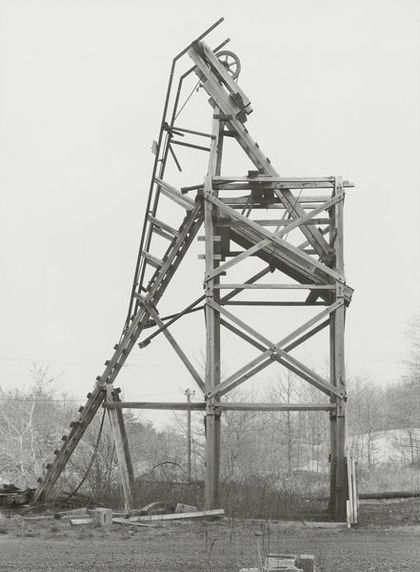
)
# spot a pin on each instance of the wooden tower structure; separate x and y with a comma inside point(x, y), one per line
point(299, 247)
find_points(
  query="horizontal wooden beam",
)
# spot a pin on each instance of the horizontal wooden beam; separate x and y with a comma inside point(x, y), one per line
point(276, 286)
point(169, 405)
point(254, 278)
point(225, 406)
point(250, 197)
point(276, 222)
point(222, 405)
point(190, 145)
point(274, 179)
point(244, 203)
point(281, 182)
point(175, 128)
point(274, 303)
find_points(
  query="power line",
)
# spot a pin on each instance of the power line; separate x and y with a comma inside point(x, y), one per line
point(76, 399)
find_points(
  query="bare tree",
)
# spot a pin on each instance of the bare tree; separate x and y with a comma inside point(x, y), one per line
point(31, 421)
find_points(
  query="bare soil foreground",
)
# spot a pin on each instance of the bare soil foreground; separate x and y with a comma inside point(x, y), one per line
point(387, 541)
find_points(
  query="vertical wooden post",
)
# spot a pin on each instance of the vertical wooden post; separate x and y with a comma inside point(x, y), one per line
point(188, 394)
point(121, 446)
point(333, 414)
point(333, 422)
point(338, 495)
point(212, 374)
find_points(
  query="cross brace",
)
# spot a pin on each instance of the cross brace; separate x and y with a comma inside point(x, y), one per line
point(316, 264)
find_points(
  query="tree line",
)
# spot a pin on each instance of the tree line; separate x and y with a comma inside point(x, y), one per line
point(272, 445)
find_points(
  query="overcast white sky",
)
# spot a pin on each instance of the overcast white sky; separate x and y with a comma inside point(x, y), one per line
point(335, 87)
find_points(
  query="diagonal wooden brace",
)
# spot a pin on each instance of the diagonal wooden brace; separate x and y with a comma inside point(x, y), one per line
point(275, 351)
point(267, 241)
point(236, 114)
point(194, 374)
point(121, 447)
point(305, 259)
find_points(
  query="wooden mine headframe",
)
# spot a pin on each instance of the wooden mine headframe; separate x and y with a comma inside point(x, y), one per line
point(226, 205)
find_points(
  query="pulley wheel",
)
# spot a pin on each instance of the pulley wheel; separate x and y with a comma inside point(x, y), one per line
point(230, 61)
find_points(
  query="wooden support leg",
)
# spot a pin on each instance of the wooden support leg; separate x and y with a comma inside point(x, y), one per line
point(333, 463)
point(341, 474)
point(212, 378)
point(340, 437)
point(126, 448)
point(121, 447)
point(333, 424)
point(212, 459)
point(338, 462)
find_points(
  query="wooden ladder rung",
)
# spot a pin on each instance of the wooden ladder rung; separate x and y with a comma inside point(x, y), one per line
point(152, 260)
point(157, 230)
point(162, 228)
point(174, 195)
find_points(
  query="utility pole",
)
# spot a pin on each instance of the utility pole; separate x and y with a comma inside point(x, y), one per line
point(189, 393)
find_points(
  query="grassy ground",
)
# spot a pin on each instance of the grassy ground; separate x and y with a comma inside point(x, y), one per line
point(386, 541)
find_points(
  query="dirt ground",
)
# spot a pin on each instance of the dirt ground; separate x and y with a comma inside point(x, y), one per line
point(387, 540)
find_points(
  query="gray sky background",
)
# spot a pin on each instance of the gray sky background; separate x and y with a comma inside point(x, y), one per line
point(335, 88)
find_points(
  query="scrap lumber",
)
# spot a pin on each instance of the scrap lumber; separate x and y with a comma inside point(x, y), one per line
point(154, 517)
point(285, 562)
point(178, 515)
point(80, 521)
point(120, 520)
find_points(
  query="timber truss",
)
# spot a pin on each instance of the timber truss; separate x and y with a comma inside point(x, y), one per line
point(300, 243)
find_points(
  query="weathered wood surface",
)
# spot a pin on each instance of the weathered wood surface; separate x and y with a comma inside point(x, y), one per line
point(122, 450)
point(119, 520)
point(178, 516)
point(102, 517)
point(156, 517)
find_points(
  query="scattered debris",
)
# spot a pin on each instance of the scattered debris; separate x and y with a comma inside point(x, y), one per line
point(153, 517)
point(120, 520)
point(71, 513)
point(179, 515)
point(185, 508)
point(11, 495)
point(286, 563)
point(79, 521)
point(157, 508)
point(102, 517)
